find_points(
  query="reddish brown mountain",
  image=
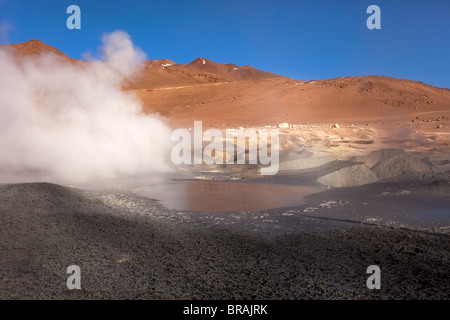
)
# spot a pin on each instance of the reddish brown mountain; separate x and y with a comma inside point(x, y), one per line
point(33, 47)
point(165, 73)
point(230, 71)
point(226, 94)
point(271, 101)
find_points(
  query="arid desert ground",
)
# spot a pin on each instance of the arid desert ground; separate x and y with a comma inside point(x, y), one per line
point(363, 179)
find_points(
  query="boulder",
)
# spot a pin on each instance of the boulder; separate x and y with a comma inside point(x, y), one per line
point(283, 125)
point(387, 163)
point(354, 175)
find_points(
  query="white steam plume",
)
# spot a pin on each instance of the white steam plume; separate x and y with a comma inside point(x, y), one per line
point(73, 121)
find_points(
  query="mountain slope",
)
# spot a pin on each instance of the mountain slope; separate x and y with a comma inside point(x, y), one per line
point(271, 101)
point(33, 47)
point(226, 94)
point(230, 71)
point(166, 73)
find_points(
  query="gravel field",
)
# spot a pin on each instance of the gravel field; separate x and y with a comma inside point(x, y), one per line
point(130, 247)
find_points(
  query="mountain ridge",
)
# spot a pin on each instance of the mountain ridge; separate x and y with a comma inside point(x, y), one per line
point(227, 94)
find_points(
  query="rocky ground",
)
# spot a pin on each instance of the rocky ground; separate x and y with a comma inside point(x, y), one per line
point(384, 203)
point(124, 254)
point(378, 147)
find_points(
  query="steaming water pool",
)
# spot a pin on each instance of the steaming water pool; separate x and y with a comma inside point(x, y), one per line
point(225, 196)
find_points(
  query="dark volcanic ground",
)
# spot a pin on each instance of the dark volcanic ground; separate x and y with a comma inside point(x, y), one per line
point(125, 253)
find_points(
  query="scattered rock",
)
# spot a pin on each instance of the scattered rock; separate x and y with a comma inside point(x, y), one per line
point(120, 258)
point(336, 126)
point(355, 175)
point(387, 163)
point(283, 125)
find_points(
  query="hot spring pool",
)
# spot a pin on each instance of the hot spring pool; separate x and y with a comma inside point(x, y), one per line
point(225, 196)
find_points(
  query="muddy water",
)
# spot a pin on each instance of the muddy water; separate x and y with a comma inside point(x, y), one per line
point(225, 196)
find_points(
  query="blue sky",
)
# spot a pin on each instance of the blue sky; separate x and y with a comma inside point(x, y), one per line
point(311, 39)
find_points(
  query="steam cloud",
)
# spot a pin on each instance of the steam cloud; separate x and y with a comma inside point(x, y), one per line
point(73, 121)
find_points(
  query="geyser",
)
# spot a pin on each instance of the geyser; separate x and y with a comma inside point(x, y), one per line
point(72, 121)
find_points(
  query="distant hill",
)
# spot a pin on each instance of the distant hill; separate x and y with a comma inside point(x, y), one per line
point(230, 71)
point(163, 73)
point(230, 95)
point(275, 100)
point(34, 47)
